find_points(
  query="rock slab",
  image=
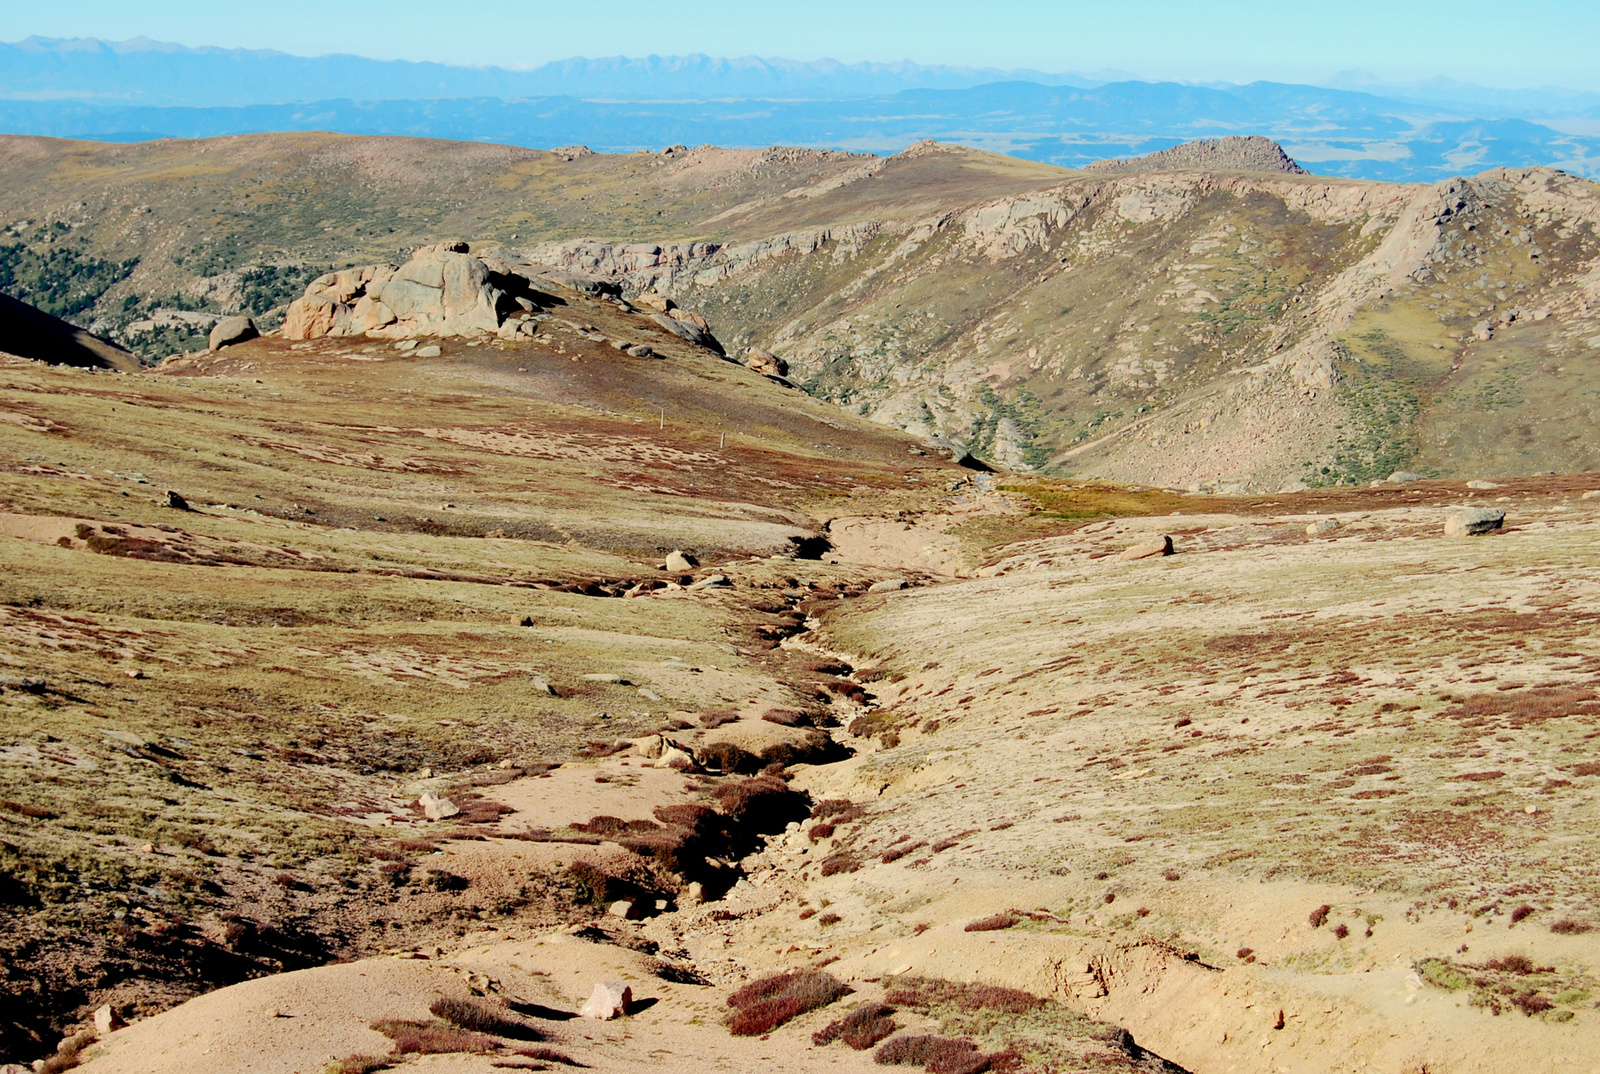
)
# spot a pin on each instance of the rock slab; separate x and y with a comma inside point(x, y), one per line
point(1161, 546)
point(1474, 521)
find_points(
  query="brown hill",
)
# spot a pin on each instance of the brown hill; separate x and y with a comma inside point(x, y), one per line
point(32, 333)
point(1219, 328)
point(1250, 153)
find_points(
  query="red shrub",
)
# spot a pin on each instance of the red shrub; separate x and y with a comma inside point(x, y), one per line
point(992, 923)
point(860, 1029)
point(1319, 916)
point(763, 1005)
point(938, 1055)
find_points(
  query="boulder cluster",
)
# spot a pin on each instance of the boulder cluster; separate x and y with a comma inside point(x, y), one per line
point(444, 290)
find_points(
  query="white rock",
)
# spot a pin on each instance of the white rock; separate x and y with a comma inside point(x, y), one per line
point(107, 1020)
point(609, 1000)
point(436, 808)
point(430, 351)
point(680, 561)
point(888, 585)
point(1482, 485)
point(1592, 494)
point(627, 909)
point(1322, 525)
point(1403, 477)
point(711, 581)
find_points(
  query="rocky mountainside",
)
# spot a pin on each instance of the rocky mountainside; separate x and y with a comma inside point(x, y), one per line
point(1251, 153)
point(1179, 327)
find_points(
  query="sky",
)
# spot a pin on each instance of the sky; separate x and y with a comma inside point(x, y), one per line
point(1530, 43)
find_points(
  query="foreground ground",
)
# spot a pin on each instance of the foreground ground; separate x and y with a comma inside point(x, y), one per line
point(1275, 802)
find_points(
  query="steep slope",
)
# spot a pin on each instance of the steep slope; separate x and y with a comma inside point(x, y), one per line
point(32, 333)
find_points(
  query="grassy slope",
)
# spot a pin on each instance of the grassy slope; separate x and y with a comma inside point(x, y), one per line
point(200, 708)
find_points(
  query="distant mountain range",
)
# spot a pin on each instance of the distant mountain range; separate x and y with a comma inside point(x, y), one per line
point(145, 72)
point(140, 90)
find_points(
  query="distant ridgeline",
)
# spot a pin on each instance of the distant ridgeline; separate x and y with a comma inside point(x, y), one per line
point(141, 90)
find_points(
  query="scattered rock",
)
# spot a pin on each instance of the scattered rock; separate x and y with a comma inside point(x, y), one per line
point(1322, 525)
point(687, 330)
point(711, 581)
point(641, 350)
point(676, 757)
point(694, 894)
point(542, 687)
point(652, 301)
point(608, 677)
point(430, 351)
point(177, 502)
point(627, 909)
point(1293, 486)
point(765, 362)
point(436, 808)
point(888, 585)
point(107, 1021)
point(231, 330)
point(1472, 521)
point(1482, 485)
point(1161, 546)
point(610, 999)
point(1592, 494)
point(1403, 477)
point(680, 561)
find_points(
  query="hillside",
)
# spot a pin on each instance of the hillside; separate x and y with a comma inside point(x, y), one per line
point(1232, 330)
point(367, 700)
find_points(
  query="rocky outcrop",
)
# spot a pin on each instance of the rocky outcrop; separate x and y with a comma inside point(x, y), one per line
point(1233, 154)
point(443, 290)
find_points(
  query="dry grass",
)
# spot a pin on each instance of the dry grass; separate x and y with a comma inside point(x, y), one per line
point(992, 923)
point(935, 1054)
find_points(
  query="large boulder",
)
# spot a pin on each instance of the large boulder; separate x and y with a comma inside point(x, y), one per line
point(765, 362)
point(444, 290)
point(231, 330)
point(1472, 521)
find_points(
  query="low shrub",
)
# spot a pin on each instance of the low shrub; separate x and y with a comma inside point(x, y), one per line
point(712, 720)
point(1518, 964)
point(829, 918)
point(357, 1064)
point(1319, 916)
point(1568, 927)
point(1341, 930)
point(763, 1005)
point(923, 993)
point(1522, 913)
point(993, 923)
point(1530, 1003)
point(548, 1055)
point(479, 1017)
point(842, 862)
point(764, 804)
point(860, 1029)
point(432, 1038)
point(68, 1052)
point(894, 854)
point(937, 1055)
point(727, 758)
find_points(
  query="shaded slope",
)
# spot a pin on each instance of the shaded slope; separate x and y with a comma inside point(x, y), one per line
point(32, 333)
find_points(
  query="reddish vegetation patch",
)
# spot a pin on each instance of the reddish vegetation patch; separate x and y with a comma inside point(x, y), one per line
point(860, 1029)
point(761, 1006)
point(1477, 777)
point(992, 923)
point(922, 993)
point(937, 1055)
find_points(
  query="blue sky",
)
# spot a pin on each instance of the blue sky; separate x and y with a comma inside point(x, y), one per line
point(1526, 43)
